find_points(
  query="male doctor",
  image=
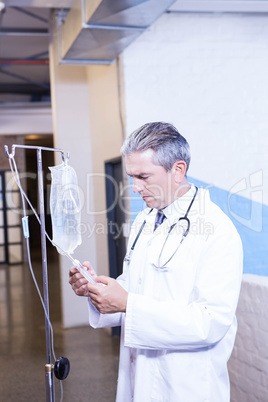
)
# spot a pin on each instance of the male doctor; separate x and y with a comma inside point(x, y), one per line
point(177, 296)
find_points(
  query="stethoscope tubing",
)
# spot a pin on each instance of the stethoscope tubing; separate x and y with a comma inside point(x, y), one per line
point(185, 217)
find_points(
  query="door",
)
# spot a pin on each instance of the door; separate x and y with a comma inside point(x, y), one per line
point(115, 220)
point(115, 216)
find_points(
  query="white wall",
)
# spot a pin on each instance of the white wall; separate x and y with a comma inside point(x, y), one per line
point(86, 123)
point(248, 365)
point(72, 134)
point(106, 141)
point(206, 74)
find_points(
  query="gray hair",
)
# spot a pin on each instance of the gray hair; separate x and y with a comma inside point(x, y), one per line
point(164, 139)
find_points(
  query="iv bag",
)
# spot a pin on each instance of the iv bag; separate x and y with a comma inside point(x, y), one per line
point(65, 208)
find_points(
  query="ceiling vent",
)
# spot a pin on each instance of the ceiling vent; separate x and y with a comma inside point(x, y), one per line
point(97, 31)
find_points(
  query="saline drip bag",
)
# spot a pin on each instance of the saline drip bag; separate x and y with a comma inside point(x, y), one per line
point(65, 212)
point(65, 208)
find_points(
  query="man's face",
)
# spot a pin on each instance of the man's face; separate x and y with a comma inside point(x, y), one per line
point(154, 184)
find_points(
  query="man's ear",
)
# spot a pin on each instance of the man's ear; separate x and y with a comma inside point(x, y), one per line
point(179, 170)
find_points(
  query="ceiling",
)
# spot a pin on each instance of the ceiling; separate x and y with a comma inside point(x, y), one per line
point(24, 65)
point(90, 31)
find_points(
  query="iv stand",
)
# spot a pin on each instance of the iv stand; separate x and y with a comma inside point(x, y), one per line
point(49, 373)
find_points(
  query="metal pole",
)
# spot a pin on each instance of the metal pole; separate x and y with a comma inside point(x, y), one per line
point(49, 367)
point(49, 375)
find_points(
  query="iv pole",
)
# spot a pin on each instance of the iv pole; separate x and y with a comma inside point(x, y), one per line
point(49, 373)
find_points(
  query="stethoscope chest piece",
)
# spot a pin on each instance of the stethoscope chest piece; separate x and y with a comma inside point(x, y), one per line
point(159, 267)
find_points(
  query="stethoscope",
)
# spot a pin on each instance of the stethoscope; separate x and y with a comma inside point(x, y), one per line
point(185, 233)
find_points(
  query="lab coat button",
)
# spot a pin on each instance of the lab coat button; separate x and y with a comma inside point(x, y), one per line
point(140, 281)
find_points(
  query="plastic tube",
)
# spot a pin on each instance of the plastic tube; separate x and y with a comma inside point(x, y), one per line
point(83, 271)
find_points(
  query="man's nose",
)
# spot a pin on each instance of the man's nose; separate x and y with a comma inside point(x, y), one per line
point(137, 186)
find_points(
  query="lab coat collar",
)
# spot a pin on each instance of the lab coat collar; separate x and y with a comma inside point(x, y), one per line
point(179, 207)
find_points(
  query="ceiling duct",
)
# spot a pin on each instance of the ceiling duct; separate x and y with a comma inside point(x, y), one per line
point(97, 31)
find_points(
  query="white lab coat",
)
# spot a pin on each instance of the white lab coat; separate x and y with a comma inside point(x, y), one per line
point(179, 328)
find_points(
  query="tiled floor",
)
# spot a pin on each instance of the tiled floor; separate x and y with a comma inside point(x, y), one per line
point(93, 354)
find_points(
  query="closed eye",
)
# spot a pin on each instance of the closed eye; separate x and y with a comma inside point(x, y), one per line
point(139, 176)
point(142, 177)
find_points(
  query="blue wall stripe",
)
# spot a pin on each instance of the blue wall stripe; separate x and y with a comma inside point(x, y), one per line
point(249, 217)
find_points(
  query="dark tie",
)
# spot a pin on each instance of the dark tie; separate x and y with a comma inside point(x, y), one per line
point(160, 217)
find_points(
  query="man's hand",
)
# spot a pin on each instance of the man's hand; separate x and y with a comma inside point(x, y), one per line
point(78, 282)
point(111, 298)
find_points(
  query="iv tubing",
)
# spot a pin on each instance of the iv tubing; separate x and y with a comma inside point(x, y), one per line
point(23, 197)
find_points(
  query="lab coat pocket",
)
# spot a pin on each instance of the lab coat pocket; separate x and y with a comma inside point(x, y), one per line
point(181, 376)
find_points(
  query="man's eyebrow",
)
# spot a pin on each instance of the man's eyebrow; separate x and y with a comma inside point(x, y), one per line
point(138, 174)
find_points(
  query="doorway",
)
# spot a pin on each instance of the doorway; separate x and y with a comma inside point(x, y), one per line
point(10, 222)
point(32, 188)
